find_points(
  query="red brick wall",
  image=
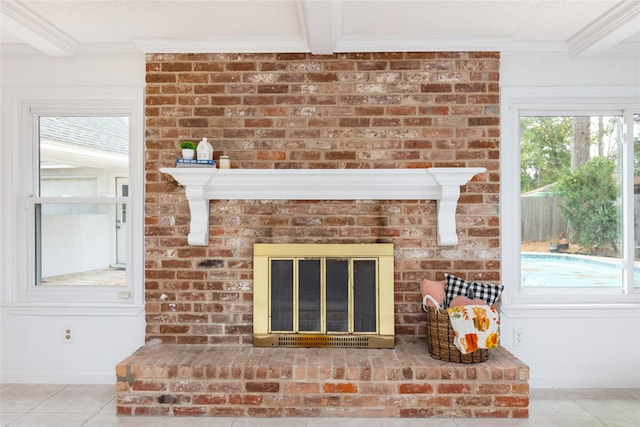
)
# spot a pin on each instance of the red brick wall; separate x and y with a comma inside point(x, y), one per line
point(369, 110)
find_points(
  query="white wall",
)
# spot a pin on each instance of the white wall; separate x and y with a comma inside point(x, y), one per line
point(586, 349)
point(33, 350)
point(31, 344)
point(579, 346)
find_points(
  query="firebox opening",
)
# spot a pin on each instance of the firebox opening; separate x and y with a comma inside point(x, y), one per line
point(323, 295)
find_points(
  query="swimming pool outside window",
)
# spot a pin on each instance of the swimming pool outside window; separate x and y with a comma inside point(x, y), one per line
point(540, 269)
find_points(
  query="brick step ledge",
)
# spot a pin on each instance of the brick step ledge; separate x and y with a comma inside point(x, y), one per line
point(206, 380)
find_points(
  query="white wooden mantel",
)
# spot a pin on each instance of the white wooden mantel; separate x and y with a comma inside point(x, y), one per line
point(440, 184)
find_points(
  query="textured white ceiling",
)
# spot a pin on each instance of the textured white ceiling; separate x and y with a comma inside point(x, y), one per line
point(319, 26)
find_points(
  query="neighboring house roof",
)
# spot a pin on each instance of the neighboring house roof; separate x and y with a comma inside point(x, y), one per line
point(103, 133)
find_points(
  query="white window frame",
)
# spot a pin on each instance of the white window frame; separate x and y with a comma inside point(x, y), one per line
point(519, 102)
point(23, 107)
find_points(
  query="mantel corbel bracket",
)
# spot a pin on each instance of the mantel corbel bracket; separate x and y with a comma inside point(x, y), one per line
point(447, 204)
point(440, 184)
point(199, 208)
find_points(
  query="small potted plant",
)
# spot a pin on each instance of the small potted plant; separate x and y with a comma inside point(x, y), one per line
point(188, 149)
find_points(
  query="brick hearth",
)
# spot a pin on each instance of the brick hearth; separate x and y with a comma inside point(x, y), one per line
point(192, 380)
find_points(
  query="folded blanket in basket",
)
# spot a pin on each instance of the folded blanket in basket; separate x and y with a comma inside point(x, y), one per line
point(474, 327)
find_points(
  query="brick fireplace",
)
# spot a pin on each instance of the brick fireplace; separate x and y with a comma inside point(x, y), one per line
point(300, 111)
point(385, 110)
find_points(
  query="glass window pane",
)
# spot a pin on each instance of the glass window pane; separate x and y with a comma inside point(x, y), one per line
point(337, 295)
point(309, 295)
point(76, 244)
point(364, 295)
point(79, 156)
point(571, 201)
point(281, 295)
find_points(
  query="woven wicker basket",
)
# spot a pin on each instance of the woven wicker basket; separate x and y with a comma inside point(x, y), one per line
point(440, 340)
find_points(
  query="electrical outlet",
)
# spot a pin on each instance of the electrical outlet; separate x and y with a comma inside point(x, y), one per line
point(518, 337)
point(67, 336)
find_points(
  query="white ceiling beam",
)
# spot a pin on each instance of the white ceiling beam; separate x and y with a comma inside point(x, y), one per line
point(31, 28)
point(614, 26)
point(318, 22)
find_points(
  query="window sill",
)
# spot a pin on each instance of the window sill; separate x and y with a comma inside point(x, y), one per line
point(51, 309)
point(630, 309)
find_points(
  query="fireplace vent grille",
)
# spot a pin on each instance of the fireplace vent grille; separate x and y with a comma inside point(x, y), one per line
point(323, 341)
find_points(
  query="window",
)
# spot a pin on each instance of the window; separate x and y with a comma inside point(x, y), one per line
point(79, 212)
point(570, 183)
point(575, 201)
point(78, 236)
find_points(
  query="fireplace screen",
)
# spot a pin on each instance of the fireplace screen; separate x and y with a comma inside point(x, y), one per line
point(323, 295)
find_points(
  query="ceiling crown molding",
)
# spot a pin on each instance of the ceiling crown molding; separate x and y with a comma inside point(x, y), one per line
point(618, 23)
point(220, 46)
point(434, 44)
point(36, 31)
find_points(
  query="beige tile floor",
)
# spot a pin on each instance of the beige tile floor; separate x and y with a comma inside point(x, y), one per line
point(94, 406)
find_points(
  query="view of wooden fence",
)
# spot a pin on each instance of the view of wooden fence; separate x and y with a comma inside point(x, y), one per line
point(541, 219)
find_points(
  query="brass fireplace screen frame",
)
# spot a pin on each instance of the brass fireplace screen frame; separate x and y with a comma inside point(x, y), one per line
point(378, 259)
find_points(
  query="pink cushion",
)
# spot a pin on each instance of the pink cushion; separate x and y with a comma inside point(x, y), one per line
point(435, 289)
point(461, 300)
